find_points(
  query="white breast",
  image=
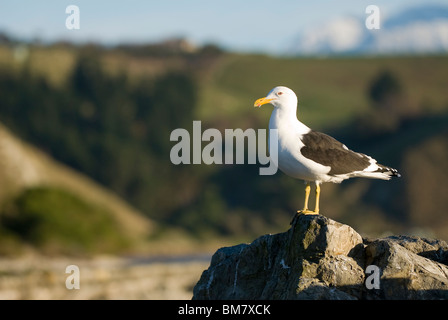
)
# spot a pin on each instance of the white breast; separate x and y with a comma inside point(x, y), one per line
point(290, 160)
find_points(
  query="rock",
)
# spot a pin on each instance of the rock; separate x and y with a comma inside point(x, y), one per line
point(319, 258)
point(406, 273)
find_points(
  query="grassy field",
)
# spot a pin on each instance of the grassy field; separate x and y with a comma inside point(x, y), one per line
point(333, 95)
point(203, 208)
point(331, 91)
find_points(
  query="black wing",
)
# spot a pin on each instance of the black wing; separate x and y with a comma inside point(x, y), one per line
point(328, 151)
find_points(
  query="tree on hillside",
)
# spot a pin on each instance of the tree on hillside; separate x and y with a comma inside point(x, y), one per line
point(384, 87)
point(386, 95)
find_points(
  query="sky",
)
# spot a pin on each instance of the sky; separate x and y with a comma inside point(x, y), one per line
point(238, 25)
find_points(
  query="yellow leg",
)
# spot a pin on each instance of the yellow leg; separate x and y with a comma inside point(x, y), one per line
point(307, 195)
point(316, 207)
point(305, 206)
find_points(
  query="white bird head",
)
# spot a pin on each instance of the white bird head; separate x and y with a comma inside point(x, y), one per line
point(280, 97)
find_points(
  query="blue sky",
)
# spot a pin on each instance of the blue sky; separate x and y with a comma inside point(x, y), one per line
point(250, 25)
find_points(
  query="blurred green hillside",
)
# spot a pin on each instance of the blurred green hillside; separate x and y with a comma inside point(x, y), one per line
point(108, 113)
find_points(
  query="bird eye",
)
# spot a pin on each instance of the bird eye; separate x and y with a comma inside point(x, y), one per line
point(280, 93)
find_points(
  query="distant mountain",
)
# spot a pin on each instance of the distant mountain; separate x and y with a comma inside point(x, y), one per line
point(417, 30)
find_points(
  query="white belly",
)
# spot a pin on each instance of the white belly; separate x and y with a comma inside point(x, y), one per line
point(299, 167)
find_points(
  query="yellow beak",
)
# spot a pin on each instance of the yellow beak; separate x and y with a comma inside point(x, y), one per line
point(259, 102)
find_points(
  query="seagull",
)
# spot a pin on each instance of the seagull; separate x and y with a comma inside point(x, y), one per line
point(313, 156)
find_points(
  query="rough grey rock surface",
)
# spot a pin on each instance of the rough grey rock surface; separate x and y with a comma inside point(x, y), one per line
point(319, 258)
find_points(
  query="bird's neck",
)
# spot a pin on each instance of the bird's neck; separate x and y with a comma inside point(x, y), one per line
point(284, 116)
point(286, 119)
